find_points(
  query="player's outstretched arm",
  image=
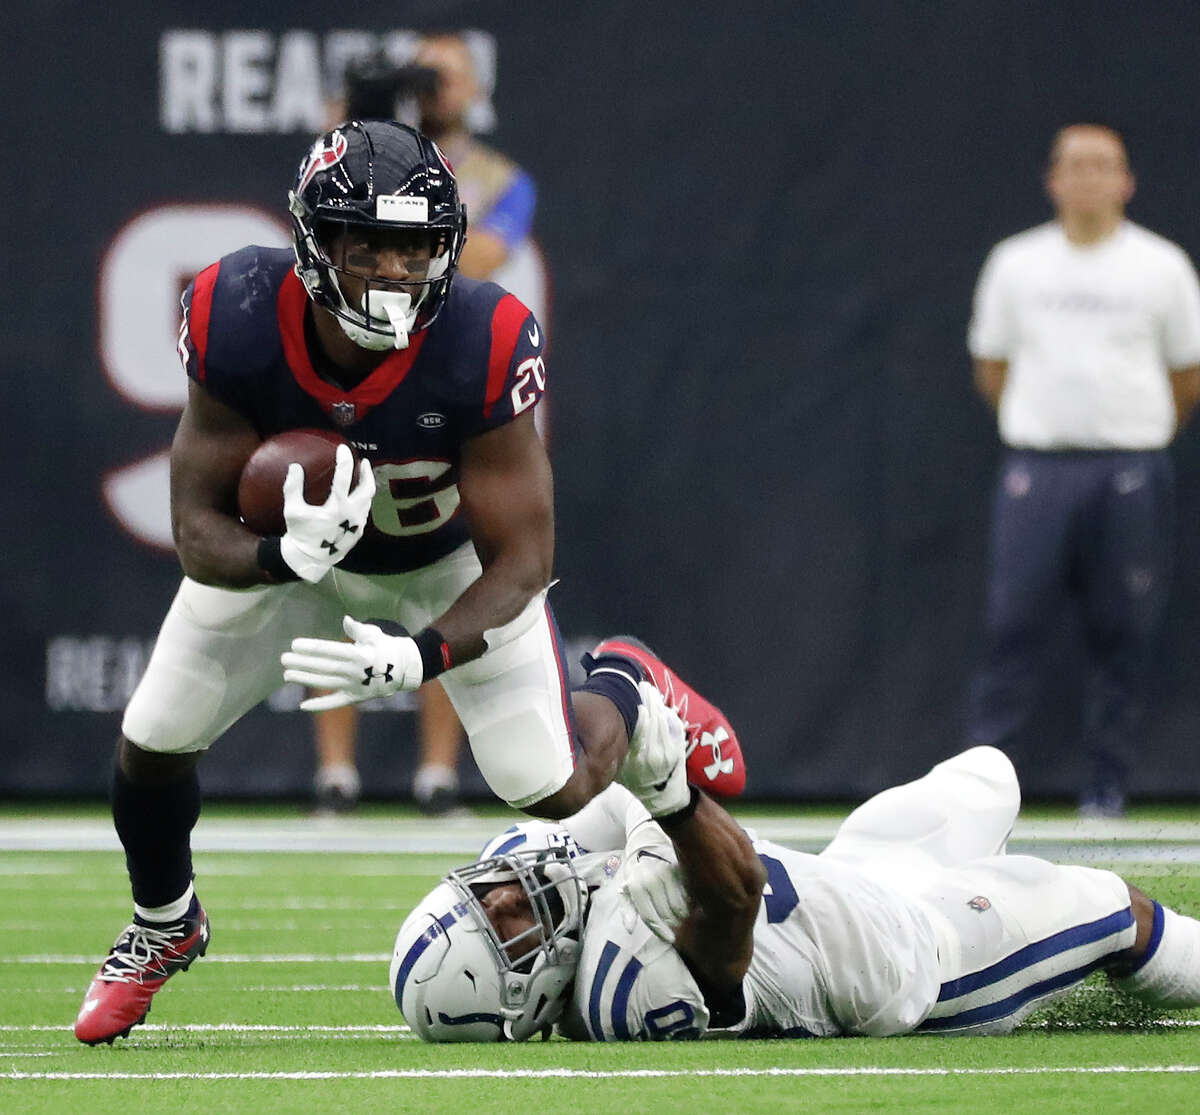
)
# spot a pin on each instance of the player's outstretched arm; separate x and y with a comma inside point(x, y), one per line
point(212, 444)
point(724, 879)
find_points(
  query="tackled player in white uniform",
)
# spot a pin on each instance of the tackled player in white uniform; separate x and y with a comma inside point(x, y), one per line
point(912, 919)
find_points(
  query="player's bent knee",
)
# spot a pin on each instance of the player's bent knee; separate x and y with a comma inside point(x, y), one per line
point(989, 764)
point(175, 709)
point(523, 757)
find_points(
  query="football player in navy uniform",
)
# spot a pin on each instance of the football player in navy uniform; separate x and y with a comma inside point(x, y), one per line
point(445, 528)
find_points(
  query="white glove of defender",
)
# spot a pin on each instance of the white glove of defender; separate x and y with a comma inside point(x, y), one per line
point(374, 665)
point(655, 769)
point(653, 882)
point(319, 535)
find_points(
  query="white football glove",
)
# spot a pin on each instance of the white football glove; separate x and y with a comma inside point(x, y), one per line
point(653, 883)
point(319, 535)
point(655, 769)
point(374, 665)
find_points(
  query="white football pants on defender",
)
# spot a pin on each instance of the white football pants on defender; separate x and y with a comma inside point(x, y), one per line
point(962, 810)
point(217, 656)
point(1013, 932)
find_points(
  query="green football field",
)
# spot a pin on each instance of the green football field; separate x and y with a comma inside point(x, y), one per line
point(290, 1010)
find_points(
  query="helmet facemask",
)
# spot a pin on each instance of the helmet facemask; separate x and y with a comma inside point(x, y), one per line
point(521, 981)
point(344, 255)
point(537, 964)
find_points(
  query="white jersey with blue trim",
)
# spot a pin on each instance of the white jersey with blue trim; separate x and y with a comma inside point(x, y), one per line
point(834, 953)
point(630, 985)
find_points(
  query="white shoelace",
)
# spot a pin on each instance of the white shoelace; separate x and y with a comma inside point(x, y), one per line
point(679, 705)
point(138, 947)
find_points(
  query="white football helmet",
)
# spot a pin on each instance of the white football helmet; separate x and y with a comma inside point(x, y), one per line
point(525, 836)
point(451, 973)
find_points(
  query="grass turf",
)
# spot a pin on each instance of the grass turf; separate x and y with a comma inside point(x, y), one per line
point(290, 1011)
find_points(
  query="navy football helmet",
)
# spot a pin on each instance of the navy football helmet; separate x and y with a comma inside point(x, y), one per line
point(365, 187)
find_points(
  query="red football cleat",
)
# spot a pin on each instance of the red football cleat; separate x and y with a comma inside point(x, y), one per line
point(714, 756)
point(142, 960)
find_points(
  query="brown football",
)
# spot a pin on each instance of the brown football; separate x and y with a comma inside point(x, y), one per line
point(260, 489)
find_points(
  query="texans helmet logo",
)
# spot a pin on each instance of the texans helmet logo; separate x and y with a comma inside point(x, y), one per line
point(322, 156)
point(442, 158)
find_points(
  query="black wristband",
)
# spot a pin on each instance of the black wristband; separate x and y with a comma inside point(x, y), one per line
point(270, 561)
point(680, 815)
point(435, 654)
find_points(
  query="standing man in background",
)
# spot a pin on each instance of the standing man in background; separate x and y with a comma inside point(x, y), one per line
point(441, 85)
point(1086, 342)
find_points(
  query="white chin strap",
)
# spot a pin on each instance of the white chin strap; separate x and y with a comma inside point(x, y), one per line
point(393, 314)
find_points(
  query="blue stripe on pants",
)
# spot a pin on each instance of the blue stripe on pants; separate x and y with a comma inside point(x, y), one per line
point(1040, 950)
point(991, 1012)
point(1025, 961)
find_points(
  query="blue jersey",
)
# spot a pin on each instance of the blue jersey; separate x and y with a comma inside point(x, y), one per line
point(499, 195)
point(475, 368)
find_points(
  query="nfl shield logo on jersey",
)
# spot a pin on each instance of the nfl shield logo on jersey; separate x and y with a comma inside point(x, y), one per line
point(979, 904)
point(342, 413)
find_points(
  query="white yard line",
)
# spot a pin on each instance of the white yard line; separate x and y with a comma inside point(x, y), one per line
point(398, 1029)
point(218, 958)
point(303, 834)
point(465, 835)
point(222, 1027)
point(255, 988)
point(616, 1074)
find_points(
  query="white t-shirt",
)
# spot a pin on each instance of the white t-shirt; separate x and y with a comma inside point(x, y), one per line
point(1090, 334)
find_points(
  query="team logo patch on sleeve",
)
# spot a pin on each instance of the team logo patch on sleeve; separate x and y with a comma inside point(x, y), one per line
point(322, 156)
point(979, 904)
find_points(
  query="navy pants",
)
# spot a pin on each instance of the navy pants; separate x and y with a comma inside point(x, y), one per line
point(1095, 530)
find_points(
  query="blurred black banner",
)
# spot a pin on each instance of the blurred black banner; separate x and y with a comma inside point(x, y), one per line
point(762, 234)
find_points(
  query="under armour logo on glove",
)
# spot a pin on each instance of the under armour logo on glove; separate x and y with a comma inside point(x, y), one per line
point(345, 527)
point(306, 545)
point(373, 665)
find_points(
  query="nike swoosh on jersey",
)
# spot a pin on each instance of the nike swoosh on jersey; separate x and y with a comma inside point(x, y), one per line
point(535, 336)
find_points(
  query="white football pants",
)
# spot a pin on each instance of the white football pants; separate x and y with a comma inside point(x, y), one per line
point(217, 656)
point(1014, 932)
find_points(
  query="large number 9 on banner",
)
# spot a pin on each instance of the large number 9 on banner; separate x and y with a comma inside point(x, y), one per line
point(145, 269)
